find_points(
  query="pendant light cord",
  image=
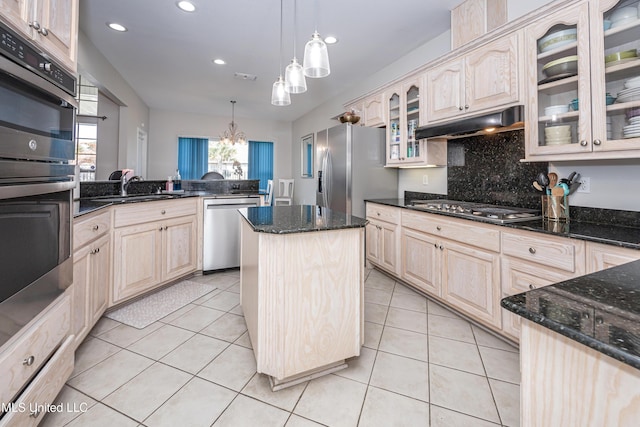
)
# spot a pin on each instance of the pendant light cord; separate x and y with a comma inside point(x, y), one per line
point(281, 47)
point(295, 16)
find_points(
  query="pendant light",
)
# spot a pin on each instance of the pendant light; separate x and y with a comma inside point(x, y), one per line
point(316, 56)
point(279, 96)
point(294, 79)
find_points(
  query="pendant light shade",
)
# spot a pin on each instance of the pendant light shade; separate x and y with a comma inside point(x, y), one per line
point(316, 58)
point(294, 79)
point(279, 96)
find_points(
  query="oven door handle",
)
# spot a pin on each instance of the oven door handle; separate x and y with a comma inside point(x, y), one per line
point(24, 190)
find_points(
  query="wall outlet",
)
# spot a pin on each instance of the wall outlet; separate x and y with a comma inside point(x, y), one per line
point(585, 185)
point(425, 179)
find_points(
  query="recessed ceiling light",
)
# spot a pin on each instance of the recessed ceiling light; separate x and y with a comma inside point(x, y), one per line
point(330, 40)
point(219, 61)
point(117, 27)
point(187, 6)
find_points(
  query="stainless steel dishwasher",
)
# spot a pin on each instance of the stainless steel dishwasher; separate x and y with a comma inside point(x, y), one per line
point(221, 236)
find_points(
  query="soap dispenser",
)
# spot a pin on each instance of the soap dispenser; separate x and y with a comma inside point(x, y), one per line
point(169, 185)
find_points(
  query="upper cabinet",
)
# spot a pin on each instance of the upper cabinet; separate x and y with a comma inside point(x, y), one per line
point(485, 78)
point(373, 111)
point(52, 25)
point(584, 84)
point(405, 113)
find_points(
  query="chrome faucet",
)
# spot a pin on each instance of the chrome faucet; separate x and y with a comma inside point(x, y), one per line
point(123, 184)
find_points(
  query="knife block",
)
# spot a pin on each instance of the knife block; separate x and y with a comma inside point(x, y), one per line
point(555, 208)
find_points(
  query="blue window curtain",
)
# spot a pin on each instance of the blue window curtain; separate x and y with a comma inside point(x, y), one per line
point(261, 162)
point(193, 157)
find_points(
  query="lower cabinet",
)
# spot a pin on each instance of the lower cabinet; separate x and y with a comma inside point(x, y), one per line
point(421, 261)
point(600, 257)
point(471, 281)
point(383, 237)
point(90, 289)
point(150, 254)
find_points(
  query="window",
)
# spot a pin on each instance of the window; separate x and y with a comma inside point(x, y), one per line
point(87, 130)
point(229, 160)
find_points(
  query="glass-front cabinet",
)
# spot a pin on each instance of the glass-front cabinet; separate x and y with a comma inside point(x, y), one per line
point(584, 82)
point(404, 112)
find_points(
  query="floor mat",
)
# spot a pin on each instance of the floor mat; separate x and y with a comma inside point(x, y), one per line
point(154, 307)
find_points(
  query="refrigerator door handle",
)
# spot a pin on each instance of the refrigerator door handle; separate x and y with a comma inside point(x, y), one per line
point(328, 170)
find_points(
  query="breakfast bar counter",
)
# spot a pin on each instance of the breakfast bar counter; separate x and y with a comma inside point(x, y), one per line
point(301, 284)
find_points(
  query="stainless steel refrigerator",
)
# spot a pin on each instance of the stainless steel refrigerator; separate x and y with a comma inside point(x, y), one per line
point(350, 164)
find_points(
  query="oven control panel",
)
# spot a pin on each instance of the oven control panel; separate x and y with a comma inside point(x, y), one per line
point(19, 50)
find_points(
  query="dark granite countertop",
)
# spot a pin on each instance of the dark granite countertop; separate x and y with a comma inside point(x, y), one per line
point(600, 310)
point(627, 237)
point(298, 219)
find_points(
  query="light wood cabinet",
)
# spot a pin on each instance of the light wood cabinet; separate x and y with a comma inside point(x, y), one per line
point(600, 257)
point(154, 243)
point(485, 78)
point(474, 18)
point(91, 271)
point(373, 114)
point(383, 237)
point(597, 130)
point(405, 114)
point(420, 261)
point(50, 24)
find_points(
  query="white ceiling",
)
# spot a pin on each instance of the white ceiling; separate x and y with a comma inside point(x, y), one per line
point(166, 54)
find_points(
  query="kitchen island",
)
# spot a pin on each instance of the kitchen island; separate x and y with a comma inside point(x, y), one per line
point(301, 284)
point(580, 350)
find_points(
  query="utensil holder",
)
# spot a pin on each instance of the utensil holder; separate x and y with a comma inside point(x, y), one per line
point(555, 208)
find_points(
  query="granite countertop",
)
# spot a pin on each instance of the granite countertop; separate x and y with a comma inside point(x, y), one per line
point(627, 237)
point(298, 219)
point(600, 310)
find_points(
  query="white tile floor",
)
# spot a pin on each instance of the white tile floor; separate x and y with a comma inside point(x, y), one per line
point(421, 365)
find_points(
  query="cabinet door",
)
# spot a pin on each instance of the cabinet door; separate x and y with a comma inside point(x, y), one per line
point(420, 261)
point(18, 13)
point(374, 111)
point(373, 241)
point(395, 148)
point(390, 237)
point(80, 324)
point(445, 90)
point(100, 279)
point(519, 276)
point(179, 247)
point(600, 257)
point(552, 133)
point(58, 34)
point(137, 254)
point(492, 75)
point(471, 281)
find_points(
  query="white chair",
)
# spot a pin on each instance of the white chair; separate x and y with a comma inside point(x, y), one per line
point(269, 197)
point(285, 192)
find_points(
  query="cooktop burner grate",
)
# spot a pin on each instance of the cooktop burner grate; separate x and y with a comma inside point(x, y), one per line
point(481, 211)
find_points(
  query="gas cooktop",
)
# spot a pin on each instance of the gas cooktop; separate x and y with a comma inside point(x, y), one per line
point(481, 211)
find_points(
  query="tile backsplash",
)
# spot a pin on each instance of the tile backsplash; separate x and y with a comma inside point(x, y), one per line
point(488, 169)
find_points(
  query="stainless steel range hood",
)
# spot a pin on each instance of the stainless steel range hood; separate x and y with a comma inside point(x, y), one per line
point(510, 119)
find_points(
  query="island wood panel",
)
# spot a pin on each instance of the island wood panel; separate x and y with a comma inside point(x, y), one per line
point(249, 282)
point(565, 383)
point(310, 288)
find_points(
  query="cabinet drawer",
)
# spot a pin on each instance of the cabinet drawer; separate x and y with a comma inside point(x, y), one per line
point(562, 253)
point(383, 213)
point(464, 231)
point(90, 228)
point(42, 391)
point(138, 213)
point(23, 359)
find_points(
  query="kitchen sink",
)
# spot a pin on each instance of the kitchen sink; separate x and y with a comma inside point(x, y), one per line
point(133, 198)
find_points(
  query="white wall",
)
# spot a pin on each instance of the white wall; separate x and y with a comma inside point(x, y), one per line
point(166, 126)
point(134, 113)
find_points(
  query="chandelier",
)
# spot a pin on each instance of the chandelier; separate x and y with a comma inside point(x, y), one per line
point(232, 135)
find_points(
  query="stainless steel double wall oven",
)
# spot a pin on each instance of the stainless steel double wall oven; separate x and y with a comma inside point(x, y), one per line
point(37, 127)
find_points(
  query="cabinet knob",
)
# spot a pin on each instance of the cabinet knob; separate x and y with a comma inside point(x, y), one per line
point(599, 320)
point(35, 414)
point(532, 250)
point(43, 31)
point(96, 227)
point(466, 107)
point(438, 228)
point(29, 360)
point(441, 247)
point(584, 142)
point(585, 315)
point(163, 212)
point(160, 229)
point(435, 245)
point(531, 286)
point(460, 108)
point(597, 142)
point(165, 227)
point(378, 213)
point(35, 25)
